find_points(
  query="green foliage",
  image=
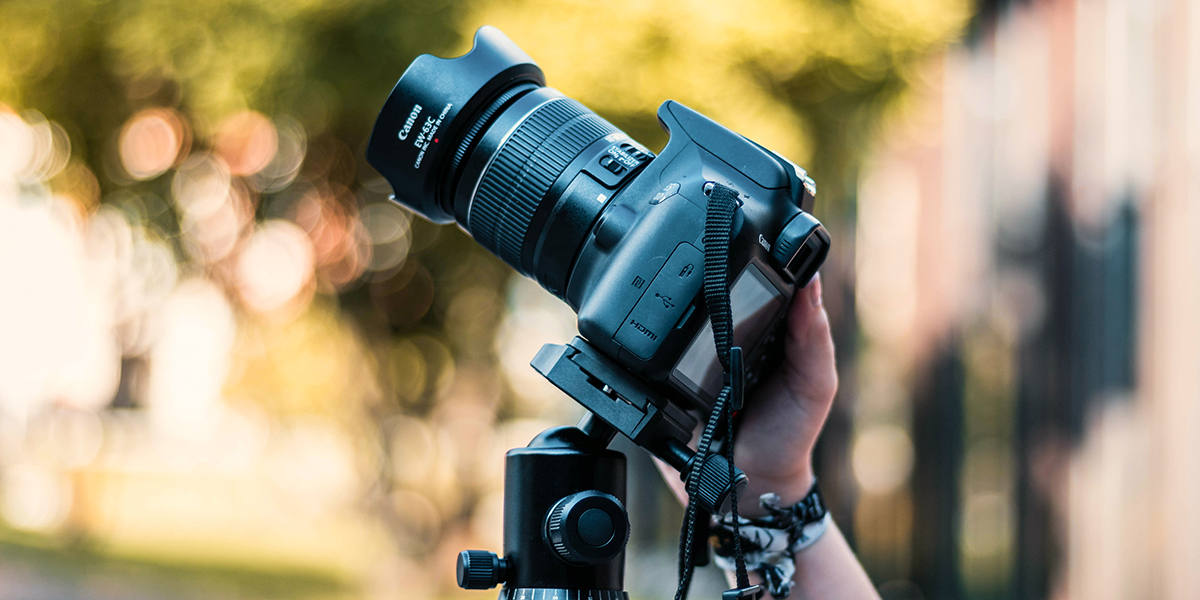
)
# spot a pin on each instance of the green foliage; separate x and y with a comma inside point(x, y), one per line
point(806, 78)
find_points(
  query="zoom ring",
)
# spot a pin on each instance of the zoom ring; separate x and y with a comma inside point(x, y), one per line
point(525, 167)
point(484, 119)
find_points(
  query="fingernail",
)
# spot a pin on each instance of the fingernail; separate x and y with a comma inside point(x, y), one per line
point(814, 290)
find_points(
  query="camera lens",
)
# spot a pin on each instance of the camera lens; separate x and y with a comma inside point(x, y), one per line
point(515, 168)
point(524, 169)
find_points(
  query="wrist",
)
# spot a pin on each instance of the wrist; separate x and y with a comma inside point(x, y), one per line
point(791, 488)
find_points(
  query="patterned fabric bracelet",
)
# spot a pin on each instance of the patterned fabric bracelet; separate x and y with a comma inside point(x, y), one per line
point(769, 543)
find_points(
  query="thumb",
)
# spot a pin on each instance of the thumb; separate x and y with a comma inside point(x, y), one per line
point(809, 367)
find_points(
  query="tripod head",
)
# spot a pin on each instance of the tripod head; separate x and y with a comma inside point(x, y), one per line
point(565, 524)
point(626, 405)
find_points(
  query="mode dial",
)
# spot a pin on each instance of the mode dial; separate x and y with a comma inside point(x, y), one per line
point(587, 528)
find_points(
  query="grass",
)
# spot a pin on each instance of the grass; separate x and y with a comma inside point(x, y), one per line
point(79, 565)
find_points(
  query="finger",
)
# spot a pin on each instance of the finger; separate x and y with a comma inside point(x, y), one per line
point(809, 363)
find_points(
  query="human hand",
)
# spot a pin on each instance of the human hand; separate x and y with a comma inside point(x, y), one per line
point(783, 417)
point(775, 440)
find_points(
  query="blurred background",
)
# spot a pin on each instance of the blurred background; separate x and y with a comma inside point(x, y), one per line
point(230, 368)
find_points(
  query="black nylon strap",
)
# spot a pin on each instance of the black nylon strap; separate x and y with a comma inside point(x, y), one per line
point(686, 565)
point(718, 233)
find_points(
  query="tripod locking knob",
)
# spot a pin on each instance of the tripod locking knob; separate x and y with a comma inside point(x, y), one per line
point(713, 487)
point(587, 528)
point(480, 570)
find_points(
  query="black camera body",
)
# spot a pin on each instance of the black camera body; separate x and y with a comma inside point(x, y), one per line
point(637, 282)
point(597, 219)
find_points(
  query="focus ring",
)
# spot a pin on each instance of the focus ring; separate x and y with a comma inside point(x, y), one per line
point(484, 119)
point(523, 171)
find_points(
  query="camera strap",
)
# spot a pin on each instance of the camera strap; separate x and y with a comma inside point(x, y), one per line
point(718, 232)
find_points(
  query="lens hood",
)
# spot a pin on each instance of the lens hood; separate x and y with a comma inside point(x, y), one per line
point(437, 100)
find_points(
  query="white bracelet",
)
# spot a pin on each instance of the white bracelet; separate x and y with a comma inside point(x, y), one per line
point(769, 544)
point(775, 541)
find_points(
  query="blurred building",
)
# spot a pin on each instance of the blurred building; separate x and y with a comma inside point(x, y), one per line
point(1027, 274)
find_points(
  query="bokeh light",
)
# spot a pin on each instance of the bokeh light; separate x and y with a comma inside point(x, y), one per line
point(57, 343)
point(247, 141)
point(387, 226)
point(276, 267)
point(882, 458)
point(201, 186)
point(34, 497)
point(191, 359)
point(151, 141)
point(16, 152)
point(291, 146)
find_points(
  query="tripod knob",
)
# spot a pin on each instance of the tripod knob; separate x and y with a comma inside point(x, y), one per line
point(713, 488)
point(480, 569)
point(587, 528)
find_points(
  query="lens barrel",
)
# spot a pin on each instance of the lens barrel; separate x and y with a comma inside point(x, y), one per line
point(524, 169)
point(514, 189)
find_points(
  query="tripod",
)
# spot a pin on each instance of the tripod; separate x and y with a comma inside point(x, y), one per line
point(565, 523)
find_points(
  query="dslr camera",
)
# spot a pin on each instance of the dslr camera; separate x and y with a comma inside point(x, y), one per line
point(619, 234)
point(604, 224)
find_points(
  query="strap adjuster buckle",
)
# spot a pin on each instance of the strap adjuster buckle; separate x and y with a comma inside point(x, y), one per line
point(735, 378)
